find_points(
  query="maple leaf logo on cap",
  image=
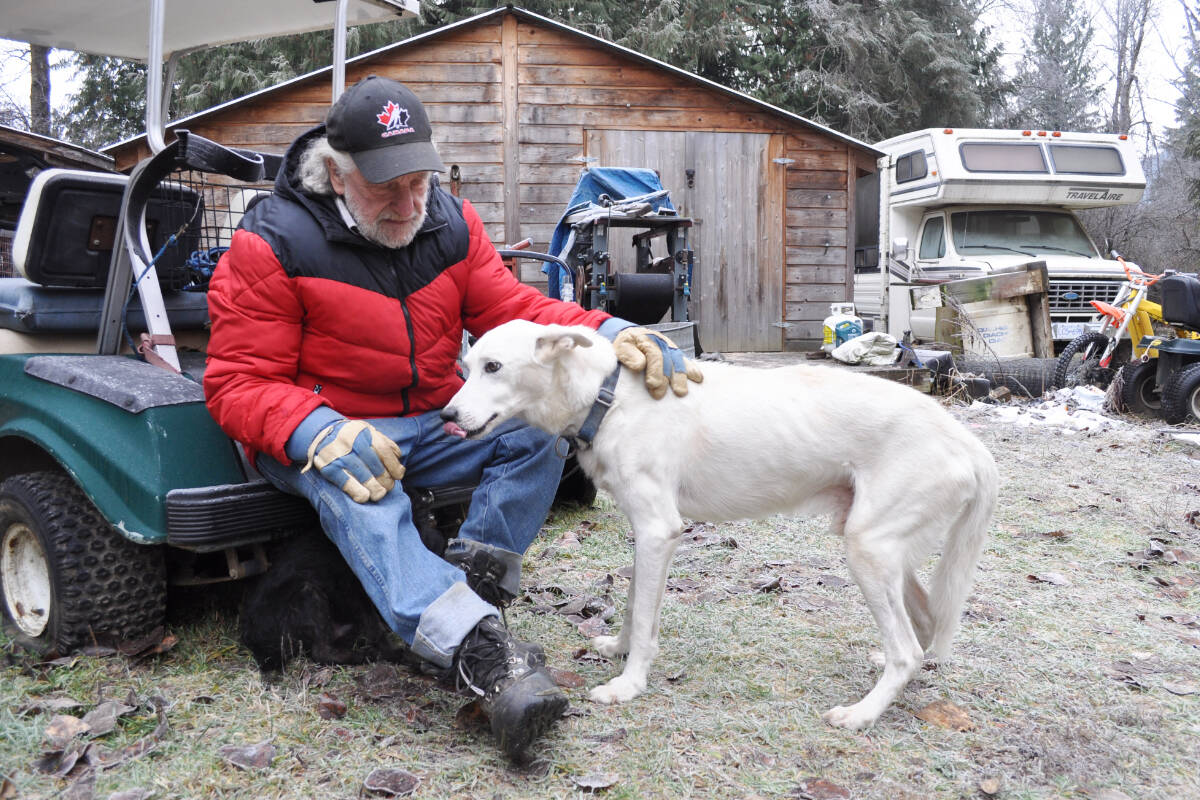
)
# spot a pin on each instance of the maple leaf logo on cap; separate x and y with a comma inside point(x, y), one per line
point(393, 116)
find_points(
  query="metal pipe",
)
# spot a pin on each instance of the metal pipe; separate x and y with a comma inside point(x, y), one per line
point(154, 78)
point(339, 49)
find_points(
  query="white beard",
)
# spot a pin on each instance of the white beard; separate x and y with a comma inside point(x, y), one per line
point(373, 230)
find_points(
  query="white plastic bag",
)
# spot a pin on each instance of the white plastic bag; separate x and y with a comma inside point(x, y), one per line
point(875, 349)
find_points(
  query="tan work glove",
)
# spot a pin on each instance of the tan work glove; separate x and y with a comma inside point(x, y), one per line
point(357, 458)
point(649, 352)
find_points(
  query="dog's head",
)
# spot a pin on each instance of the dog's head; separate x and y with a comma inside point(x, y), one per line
point(519, 369)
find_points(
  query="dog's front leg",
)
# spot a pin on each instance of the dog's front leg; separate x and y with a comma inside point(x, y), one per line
point(656, 540)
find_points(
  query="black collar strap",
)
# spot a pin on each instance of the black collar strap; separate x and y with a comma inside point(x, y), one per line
point(583, 439)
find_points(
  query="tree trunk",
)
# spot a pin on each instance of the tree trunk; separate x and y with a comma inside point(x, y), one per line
point(39, 89)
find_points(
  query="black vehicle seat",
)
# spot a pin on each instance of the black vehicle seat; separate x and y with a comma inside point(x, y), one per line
point(1181, 300)
point(62, 248)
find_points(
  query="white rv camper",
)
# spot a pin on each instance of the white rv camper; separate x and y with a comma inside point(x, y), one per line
point(965, 203)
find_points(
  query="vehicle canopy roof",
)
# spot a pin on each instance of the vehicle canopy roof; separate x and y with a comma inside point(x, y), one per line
point(122, 27)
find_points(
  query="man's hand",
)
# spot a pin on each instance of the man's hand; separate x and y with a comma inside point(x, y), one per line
point(350, 454)
point(657, 357)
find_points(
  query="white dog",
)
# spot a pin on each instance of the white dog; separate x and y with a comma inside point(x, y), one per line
point(897, 473)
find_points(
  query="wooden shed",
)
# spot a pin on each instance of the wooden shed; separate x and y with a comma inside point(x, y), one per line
point(521, 104)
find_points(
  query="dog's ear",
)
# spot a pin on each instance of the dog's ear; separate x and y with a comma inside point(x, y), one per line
point(557, 342)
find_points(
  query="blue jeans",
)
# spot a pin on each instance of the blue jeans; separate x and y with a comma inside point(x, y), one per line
point(421, 597)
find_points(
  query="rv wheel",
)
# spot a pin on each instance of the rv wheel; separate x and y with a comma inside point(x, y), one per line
point(69, 579)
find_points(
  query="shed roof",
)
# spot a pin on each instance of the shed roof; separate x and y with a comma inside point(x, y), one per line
point(527, 16)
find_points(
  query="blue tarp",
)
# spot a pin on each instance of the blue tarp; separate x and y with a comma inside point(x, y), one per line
point(619, 183)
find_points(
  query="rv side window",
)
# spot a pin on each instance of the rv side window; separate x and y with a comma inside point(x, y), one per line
point(933, 239)
point(1003, 157)
point(1085, 160)
point(911, 167)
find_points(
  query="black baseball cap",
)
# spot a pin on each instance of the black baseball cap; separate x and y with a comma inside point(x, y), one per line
point(384, 128)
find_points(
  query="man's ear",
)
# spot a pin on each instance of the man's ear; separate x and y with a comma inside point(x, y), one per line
point(554, 344)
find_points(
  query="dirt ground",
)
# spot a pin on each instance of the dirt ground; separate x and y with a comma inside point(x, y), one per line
point(1077, 672)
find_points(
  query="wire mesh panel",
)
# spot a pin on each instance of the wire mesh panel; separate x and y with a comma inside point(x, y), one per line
point(190, 222)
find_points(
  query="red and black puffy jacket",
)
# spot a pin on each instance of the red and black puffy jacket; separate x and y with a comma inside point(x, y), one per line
point(306, 312)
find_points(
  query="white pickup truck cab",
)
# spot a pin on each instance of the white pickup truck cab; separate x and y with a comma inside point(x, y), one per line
point(965, 203)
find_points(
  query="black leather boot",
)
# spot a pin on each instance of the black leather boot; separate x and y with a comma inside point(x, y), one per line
point(519, 696)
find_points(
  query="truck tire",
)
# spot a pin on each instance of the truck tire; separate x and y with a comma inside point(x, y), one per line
point(1079, 362)
point(1140, 392)
point(1181, 396)
point(69, 578)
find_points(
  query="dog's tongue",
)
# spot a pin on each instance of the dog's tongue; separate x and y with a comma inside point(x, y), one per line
point(454, 429)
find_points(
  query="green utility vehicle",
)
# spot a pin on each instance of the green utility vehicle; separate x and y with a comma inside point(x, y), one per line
point(114, 479)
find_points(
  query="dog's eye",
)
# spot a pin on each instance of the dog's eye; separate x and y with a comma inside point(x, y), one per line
point(491, 366)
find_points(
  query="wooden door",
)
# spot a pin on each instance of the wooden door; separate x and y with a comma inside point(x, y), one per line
point(737, 284)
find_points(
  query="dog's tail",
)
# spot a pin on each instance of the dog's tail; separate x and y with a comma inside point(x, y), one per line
point(955, 570)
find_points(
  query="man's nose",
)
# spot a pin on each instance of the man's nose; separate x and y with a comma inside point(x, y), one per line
point(402, 202)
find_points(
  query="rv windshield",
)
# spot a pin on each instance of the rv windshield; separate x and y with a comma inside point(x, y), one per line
point(1025, 231)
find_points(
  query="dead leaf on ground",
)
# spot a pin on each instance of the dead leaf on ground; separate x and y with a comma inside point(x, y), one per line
point(1096, 793)
point(84, 787)
point(132, 794)
point(329, 707)
point(945, 714)
point(596, 781)
point(8, 791)
point(567, 679)
point(472, 717)
point(612, 736)
point(989, 786)
point(593, 627)
point(103, 718)
point(62, 729)
point(1055, 578)
point(766, 583)
point(1182, 687)
point(833, 581)
point(393, 782)
point(254, 756)
point(45, 705)
point(819, 789)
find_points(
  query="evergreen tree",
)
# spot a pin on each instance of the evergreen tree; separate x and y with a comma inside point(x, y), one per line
point(1056, 86)
point(1185, 140)
point(110, 104)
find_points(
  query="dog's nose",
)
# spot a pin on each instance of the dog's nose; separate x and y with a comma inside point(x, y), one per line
point(449, 414)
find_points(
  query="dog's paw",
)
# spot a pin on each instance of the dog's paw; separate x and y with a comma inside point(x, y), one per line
point(610, 646)
point(619, 690)
point(848, 717)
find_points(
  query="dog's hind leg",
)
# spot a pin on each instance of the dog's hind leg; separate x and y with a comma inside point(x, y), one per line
point(656, 541)
point(916, 603)
point(876, 562)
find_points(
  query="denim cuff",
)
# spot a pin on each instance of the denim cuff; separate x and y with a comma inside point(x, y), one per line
point(511, 582)
point(447, 621)
point(612, 326)
point(301, 439)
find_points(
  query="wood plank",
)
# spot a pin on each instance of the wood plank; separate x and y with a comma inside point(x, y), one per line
point(465, 114)
point(816, 237)
point(460, 52)
point(817, 159)
point(629, 75)
point(552, 154)
point(575, 54)
point(606, 117)
point(812, 179)
point(771, 229)
point(627, 97)
point(815, 293)
point(550, 173)
point(804, 335)
point(471, 152)
point(807, 273)
point(547, 193)
point(814, 140)
point(850, 223)
point(816, 256)
point(492, 173)
point(480, 32)
point(816, 218)
point(512, 147)
point(431, 93)
point(816, 198)
point(551, 134)
point(807, 312)
point(480, 192)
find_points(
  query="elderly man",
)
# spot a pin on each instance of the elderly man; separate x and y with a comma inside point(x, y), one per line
point(337, 317)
